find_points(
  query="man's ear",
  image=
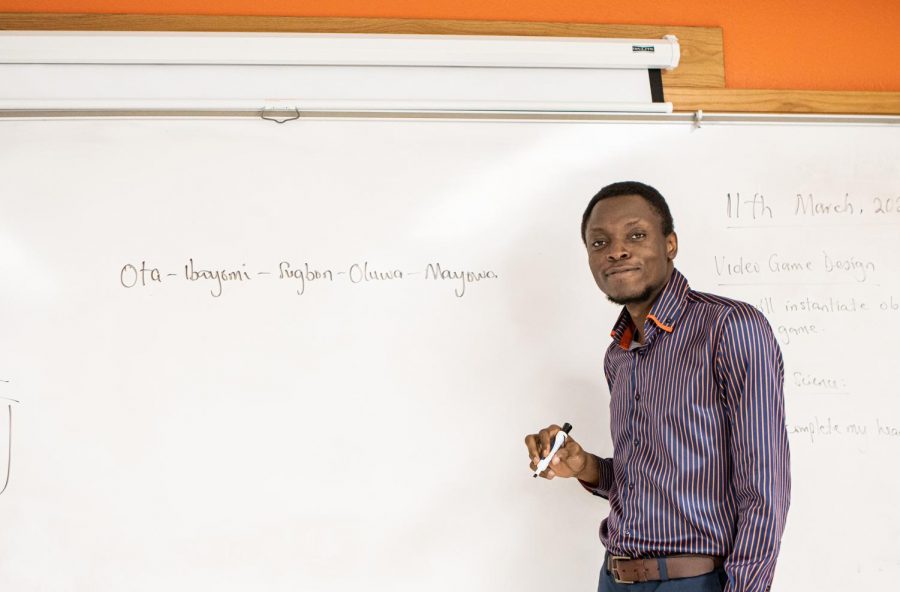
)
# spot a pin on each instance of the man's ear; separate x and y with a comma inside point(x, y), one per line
point(671, 245)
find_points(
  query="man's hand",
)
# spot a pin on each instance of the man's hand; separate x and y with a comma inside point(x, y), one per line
point(570, 460)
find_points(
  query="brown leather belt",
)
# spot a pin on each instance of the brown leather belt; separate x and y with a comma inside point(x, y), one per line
point(626, 570)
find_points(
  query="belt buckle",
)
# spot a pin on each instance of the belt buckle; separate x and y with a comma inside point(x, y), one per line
point(614, 569)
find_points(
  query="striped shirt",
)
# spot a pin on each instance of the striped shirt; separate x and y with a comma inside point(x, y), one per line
point(700, 451)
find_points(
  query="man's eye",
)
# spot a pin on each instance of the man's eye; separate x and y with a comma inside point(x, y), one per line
point(598, 244)
point(638, 235)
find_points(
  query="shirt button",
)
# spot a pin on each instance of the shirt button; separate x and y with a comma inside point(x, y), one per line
point(636, 441)
point(630, 486)
point(628, 532)
point(637, 396)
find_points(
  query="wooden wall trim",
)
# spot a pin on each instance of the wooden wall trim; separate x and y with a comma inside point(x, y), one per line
point(702, 61)
point(784, 101)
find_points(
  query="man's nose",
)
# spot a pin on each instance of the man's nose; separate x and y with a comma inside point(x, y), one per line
point(617, 251)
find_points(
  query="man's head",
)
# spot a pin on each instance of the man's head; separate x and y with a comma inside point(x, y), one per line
point(630, 239)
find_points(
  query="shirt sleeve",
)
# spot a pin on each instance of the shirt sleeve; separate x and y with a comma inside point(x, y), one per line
point(606, 478)
point(752, 373)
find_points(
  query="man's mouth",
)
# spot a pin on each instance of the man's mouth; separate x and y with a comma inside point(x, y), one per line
point(620, 270)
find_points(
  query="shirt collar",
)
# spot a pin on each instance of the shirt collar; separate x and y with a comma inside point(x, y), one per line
point(664, 313)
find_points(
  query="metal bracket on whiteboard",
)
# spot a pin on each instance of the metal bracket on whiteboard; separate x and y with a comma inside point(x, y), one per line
point(263, 115)
point(698, 119)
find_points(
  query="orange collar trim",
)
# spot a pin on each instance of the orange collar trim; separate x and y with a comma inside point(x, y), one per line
point(659, 324)
point(627, 337)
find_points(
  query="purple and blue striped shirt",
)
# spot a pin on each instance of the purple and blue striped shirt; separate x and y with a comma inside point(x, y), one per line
point(700, 451)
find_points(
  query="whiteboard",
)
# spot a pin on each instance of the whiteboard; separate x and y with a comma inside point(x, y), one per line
point(344, 329)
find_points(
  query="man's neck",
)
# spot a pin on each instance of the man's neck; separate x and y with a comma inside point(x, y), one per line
point(638, 311)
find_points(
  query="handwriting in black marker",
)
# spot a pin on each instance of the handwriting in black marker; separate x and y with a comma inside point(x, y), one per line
point(809, 205)
point(130, 275)
point(217, 275)
point(303, 274)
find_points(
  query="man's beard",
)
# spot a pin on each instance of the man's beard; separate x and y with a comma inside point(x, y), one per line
point(642, 296)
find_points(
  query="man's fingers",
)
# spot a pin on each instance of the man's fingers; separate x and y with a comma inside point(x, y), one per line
point(532, 444)
point(543, 445)
point(575, 456)
point(573, 449)
point(561, 463)
point(539, 446)
point(568, 461)
point(546, 437)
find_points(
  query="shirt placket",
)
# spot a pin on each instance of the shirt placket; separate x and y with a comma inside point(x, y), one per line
point(631, 524)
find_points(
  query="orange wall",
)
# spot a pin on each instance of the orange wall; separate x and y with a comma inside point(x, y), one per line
point(788, 44)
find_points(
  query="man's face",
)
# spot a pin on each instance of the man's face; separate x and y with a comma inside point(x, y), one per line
point(628, 254)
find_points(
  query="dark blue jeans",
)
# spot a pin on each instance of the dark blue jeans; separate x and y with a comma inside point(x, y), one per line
point(711, 582)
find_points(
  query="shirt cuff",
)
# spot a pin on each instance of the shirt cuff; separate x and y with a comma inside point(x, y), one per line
point(605, 481)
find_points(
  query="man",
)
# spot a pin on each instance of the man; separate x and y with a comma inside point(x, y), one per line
point(699, 482)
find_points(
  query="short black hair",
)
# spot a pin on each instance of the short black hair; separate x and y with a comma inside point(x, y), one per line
point(653, 197)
